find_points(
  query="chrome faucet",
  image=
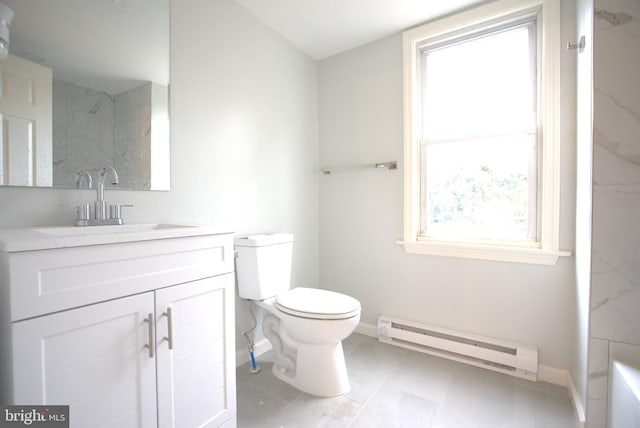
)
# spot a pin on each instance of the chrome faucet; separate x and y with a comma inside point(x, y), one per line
point(83, 173)
point(100, 206)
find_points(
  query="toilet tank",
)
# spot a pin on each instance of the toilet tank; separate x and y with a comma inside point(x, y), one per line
point(263, 265)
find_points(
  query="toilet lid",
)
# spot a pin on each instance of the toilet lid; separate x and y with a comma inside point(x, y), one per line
point(317, 304)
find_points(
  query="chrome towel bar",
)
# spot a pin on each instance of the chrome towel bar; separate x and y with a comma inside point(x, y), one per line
point(380, 165)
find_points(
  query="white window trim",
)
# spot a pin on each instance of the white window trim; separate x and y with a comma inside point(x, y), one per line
point(547, 250)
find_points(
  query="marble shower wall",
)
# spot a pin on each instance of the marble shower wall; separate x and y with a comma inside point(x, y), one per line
point(92, 129)
point(615, 271)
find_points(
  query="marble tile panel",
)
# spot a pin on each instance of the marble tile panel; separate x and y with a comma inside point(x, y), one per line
point(614, 308)
point(615, 291)
point(614, 13)
point(597, 390)
point(616, 56)
point(615, 239)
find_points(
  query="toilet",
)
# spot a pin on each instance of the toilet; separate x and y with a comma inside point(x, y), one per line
point(306, 326)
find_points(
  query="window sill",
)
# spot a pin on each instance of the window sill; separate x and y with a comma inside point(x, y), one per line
point(485, 252)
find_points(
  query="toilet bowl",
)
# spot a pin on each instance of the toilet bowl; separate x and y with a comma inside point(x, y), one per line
point(306, 326)
point(308, 345)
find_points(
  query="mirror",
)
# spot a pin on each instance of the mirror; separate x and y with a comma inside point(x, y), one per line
point(106, 102)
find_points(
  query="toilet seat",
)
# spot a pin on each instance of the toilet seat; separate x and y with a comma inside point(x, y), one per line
point(313, 303)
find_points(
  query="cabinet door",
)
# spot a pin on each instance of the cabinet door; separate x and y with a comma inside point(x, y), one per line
point(196, 353)
point(91, 358)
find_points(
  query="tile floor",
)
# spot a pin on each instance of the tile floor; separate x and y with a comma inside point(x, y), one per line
point(393, 387)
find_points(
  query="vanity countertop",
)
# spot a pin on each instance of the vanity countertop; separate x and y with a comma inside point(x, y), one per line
point(43, 238)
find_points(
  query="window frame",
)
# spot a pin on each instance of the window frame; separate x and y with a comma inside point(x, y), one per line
point(546, 249)
point(531, 22)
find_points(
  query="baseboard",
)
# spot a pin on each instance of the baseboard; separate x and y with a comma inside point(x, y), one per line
point(545, 374)
point(553, 375)
point(259, 348)
point(578, 405)
point(367, 329)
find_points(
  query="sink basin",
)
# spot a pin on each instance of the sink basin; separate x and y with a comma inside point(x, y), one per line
point(100, 230)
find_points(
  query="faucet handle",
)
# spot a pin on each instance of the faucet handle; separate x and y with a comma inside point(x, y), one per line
point(83, 214)
point(115, 210)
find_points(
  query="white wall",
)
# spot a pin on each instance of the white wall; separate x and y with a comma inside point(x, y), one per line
point(360, 95)
point(244, 130)
point(243, 139)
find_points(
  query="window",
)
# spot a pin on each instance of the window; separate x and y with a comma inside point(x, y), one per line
point(481, 134)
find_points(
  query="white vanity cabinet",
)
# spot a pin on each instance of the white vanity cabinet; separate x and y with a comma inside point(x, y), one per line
point(129, 334)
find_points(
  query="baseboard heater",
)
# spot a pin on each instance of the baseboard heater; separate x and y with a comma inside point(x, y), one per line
point(517, 360)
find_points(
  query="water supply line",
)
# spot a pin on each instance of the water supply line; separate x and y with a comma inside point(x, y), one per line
point(254, 368)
